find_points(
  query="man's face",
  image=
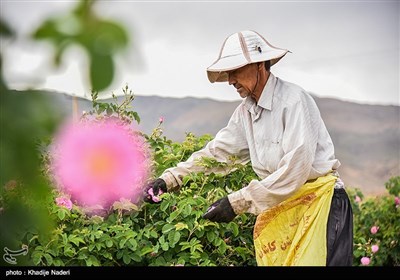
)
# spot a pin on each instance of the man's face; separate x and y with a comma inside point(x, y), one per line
point(244, 79)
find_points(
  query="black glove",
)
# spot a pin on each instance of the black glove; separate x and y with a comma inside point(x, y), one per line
point(220, 211)
point(154, 189)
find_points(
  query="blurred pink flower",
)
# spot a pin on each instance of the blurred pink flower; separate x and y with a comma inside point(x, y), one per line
point(374, 229)
point(64, 202)
point(397, 201)
point(374, 248)
point(98, 163)
point(365, 261)
point(161, 119)
point(358, 199)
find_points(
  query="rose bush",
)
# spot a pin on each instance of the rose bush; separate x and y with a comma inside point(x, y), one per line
point(377, 227)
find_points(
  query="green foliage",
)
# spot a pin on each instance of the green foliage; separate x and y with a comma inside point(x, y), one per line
point(170, 233)
point(123, 111)
point(26, 118)
point(383, 213)
point(393, 186)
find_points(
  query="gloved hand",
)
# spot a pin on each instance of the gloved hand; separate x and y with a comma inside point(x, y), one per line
point(220, 211)
point(154, 189)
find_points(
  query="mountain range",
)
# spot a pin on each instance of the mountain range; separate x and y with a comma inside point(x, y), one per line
point(366, 137)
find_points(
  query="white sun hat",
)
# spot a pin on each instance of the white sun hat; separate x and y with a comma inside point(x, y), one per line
point(240, 49)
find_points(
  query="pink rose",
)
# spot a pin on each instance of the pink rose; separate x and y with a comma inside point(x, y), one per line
point(357, 199)
point(374, 229)
point(397, 201)
point(103, 171)
point(374, 248)
point(365, 261)
point(64, 202)
point(155, 198)
point(161, 119)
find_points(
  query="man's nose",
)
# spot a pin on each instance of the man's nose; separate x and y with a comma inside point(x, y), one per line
point(231, 79)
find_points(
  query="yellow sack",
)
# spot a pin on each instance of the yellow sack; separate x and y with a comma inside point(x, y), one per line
point(293, 233)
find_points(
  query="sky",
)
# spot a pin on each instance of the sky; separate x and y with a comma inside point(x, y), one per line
point(347, 50)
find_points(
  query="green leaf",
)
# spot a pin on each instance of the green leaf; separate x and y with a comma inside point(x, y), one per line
point(167, 228)
point(36, 257)
point(181, 226)
point(200, 233)
point(94, 261)
point(146, 232)
point(91, 247)
point(165, 246)
point(61, 214)
point(358, 253)
point(99, 246)
point(126, 258)
point(172, 216)
point(122, 243)
point(187, 209)
point(136, 117)
point(69, 252)
point(76, 240)
point(109, 243)
point(119, 254)
point(217, 241)
point(133, 244)
point(101, 79)
point(185, 180)
point(110, 37)
point(58, 262)
point(49, 258)
point(235, 229)
point(173, 238)
point(46, 30)
point(222, 248)
point(146, 250)
point(135, 257)
point(164, 205)
point(153, 234)
point(160, 261)
point(185, 245)
point(243, 252)
point(210, 236)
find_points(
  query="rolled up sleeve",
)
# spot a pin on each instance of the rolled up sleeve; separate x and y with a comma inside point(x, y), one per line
point(228, 141)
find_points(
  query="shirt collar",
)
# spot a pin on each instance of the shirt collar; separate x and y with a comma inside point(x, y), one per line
point(266, 97)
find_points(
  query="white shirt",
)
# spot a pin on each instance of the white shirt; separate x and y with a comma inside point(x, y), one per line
point(283, 136)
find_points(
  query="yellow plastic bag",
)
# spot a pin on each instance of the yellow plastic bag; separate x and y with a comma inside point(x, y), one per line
point(293, 233)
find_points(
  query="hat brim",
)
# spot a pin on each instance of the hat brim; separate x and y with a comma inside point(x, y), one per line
point(217, 72)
